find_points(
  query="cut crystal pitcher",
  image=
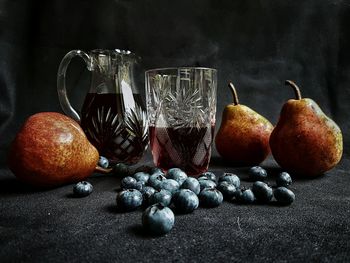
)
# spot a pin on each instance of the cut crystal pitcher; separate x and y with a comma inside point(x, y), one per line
point(113, 115)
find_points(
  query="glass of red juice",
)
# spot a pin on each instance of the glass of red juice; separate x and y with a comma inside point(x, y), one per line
point(181, 107)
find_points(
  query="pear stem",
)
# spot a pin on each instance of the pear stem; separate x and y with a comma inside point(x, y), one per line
point(234, 93)
point(295, 88)
point(99, 169)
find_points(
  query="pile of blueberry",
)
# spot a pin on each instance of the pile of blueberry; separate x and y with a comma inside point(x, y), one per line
point(161, 194)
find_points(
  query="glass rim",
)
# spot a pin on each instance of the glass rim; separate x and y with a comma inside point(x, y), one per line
point(177, 68)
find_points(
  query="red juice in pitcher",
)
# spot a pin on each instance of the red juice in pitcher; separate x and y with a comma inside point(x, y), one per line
point(188, 148)
point(105, 125)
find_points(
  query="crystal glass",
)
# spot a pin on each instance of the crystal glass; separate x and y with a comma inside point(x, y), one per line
point(113, 116)
point(181, 107)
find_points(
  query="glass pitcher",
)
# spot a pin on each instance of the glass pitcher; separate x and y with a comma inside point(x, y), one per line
point(113, 116)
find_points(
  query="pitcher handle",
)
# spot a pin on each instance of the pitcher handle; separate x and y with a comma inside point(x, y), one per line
point(61, 81)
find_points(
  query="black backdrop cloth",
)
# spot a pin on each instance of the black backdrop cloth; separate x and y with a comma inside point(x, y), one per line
point(255, 44)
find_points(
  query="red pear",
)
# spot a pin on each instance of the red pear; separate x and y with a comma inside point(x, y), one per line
point(305, 141)
point(243, 137)
point(50, 150)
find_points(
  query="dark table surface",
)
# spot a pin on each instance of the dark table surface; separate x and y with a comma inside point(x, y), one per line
point(52, 226)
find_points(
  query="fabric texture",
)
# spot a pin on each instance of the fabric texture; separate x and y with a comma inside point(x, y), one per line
point(255, 44)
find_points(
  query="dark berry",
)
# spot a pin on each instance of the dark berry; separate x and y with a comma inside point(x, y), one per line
point(210, 197)
point(263, 193)
point(228, 190)
point(185, 201)
point(141, 177)
point(158, 219)
point(121, 169)
point(210, 175)
point(284, 196)
point(177, 174)
point(161, 196)
point(82, 189)
point(284, 179)
point(245, 196)
point(147, 192)
point(206, 183)
point(169, 184)
point(155, 180)
point(129, 199)
point(131, 183)
point(157, 171)
point(257, 173)
point(232, 179)
point(192, 184)
point(103, 162)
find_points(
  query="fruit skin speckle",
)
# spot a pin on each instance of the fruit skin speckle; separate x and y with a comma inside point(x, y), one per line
point(284, 196)
point(158, 219)
point(82, 189)
point(51, 150)
point(129, 199)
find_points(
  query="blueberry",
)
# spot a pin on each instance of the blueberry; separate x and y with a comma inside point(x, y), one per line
point(121, 169)
point(210, 175)
point(232, 179)
point(129, 199)
point(158, 219)
point(177, 174)
point(82, 189)
point(155, 180)
point(192, 184)
point(262, 192)
point(131, 183)
point(103, 162)
point(147, 192)
point(210, 197)
point(169, 184)
point(257, 173)
point(206, 183)
point(284, 179)
point(245, 196)
point(141, 177)
point(284, 196)
point(185, 201)
point(157, 171)
point(228, 190)
point(161, 196)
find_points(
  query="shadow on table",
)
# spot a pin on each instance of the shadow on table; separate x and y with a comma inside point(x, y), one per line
point(139, 231)
point(219, 164)
point(10, 186)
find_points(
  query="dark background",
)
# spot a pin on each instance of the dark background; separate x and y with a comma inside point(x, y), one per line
point(256, 44)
